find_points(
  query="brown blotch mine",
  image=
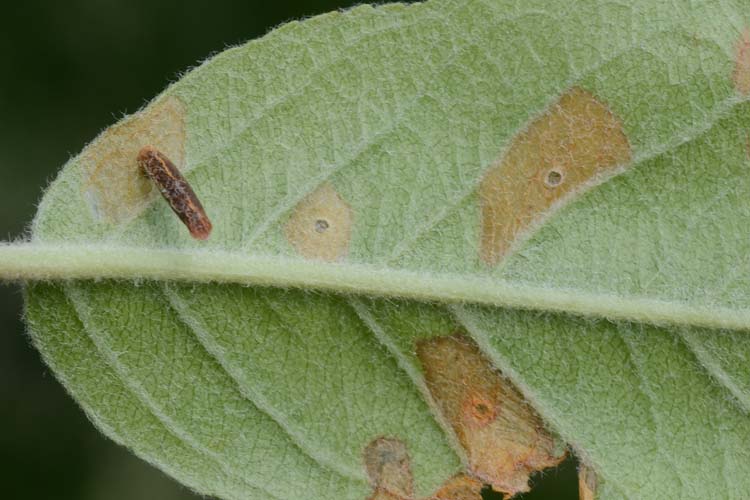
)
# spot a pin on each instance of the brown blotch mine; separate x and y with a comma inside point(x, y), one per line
point(504, 438)
point(114, 187)
point(388, 468)
point(741, 74)
point(320, 226)
point(176, 190)
point(577, 139)
point(460, 487)
point(586, 483)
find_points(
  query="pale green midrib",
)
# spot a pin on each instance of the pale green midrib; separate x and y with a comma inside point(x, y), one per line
point(39, 261)
point(141, 394)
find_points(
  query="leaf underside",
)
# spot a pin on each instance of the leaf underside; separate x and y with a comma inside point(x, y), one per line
point(399, 137)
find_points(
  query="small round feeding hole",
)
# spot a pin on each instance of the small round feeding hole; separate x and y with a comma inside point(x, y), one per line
point(554, 178)
point(321, 225)
point(478, 410)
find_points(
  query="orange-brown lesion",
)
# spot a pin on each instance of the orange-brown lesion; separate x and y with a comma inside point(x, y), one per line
point(560, 152)
point(113, 184)
point(504, 439)
point(478, 409)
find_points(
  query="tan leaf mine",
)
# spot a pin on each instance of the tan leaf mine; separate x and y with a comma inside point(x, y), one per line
point(387, 466)
point(504, 438)
point(741, 75)
point(586, 483)
point(561, 152)
point(321, 225)
point(114, 187)
point(461, 487)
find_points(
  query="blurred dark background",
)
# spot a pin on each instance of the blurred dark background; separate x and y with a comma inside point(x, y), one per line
point(68, 70)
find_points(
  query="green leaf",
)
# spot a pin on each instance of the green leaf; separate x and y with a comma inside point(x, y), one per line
point(563, 183)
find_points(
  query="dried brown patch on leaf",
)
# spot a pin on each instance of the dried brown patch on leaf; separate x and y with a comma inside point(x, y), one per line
point(558, 154)
point(321, 225)
point(504, 438)
point(113, 185)
point(461, 487)
point(586, 483)
point(741, 75)
point(388, 468)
